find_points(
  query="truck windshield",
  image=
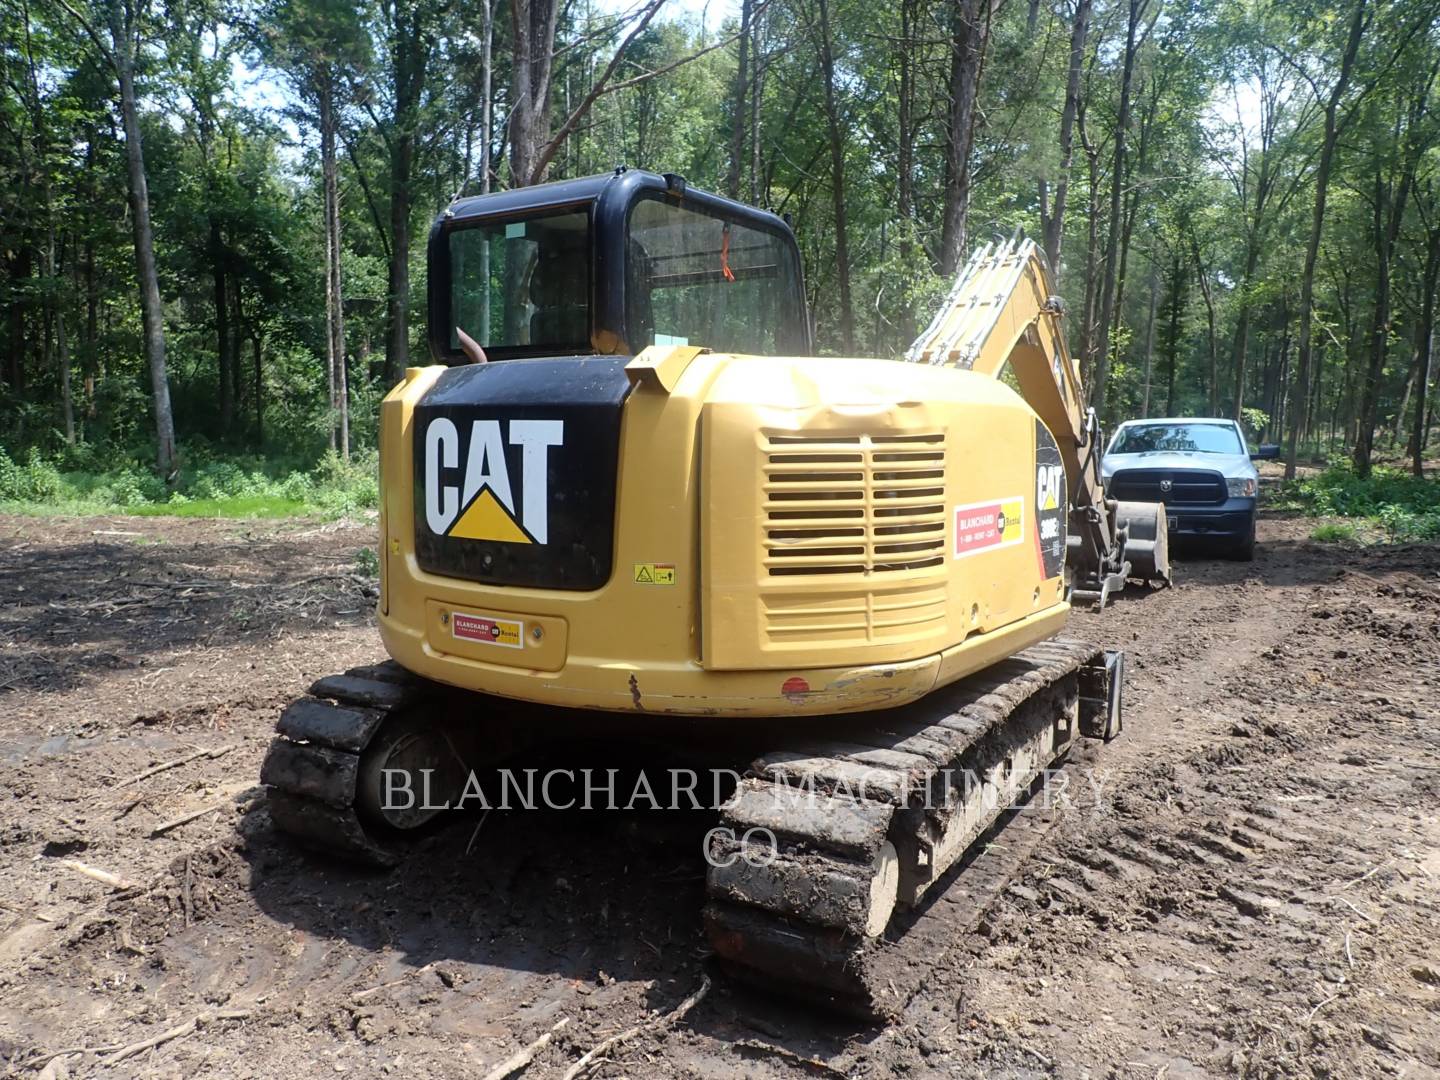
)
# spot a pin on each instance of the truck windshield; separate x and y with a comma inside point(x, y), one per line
point(1194, 438)
point(696, 279)
point(523, 283)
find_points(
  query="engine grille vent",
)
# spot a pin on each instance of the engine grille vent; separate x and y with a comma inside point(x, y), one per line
point(854, 504)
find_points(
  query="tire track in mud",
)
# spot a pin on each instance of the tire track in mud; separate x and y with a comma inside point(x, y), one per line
point(1258, 875)
point(1280, 765)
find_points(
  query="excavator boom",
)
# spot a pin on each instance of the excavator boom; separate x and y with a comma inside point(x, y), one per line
point(1000, 311)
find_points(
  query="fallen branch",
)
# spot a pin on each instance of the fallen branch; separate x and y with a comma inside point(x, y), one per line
point(1365, 876)
point(132, 804)
point(1352, 907)
point(813, 1064)
point(94, 873)
point(1333, 997)
point(175, 823)
point(134, 1048)
point(654, 1024)
point(522, 1057)
point(1038, 1056)
point(27, 914)
point(361, 995)
point(45, 1059)
point(166, 765)
point(187, 1028)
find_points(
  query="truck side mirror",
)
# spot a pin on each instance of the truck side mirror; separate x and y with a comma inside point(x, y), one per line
point(1267, 452)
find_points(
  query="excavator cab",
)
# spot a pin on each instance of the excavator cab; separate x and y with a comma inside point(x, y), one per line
point(609, 265)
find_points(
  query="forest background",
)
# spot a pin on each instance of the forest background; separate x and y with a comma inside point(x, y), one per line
point(213, 212)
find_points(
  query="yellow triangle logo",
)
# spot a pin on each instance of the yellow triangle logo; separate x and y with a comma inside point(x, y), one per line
point(486, 519)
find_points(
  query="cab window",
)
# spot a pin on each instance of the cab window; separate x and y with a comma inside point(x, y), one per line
point(523, 284)
point(693, 278)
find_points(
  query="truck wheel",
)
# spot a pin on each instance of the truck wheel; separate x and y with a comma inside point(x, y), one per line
point(1246, 551)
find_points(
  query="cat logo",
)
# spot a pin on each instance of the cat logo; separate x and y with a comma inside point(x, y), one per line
point(483, 506)
point(1049, 487)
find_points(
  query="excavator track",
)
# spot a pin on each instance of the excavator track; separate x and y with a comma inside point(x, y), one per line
point(316, 767)
point(830, 874)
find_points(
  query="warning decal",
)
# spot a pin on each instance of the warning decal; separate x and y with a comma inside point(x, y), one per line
point(504, 632)
point(651, 573)
point(988, 525)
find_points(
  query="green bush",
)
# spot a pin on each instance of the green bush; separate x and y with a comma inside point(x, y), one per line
point(211, 484)
point(38, 480)
point(1403, 506)
point(1333, 533)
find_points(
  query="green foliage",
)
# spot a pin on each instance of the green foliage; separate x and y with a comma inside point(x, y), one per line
point(215, 486)
point(37, 480)
point(1218, 187)
point(1333, 533)
point(367, 563)
point(1403, 506)
point(1254, 421)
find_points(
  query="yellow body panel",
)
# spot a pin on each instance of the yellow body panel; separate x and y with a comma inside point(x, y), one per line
point(790, 539)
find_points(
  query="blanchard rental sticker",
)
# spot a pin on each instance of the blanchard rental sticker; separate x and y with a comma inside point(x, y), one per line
point(985, 526)
point(504, 632)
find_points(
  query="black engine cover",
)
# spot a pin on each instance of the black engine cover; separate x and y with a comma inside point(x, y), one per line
point(515, 471)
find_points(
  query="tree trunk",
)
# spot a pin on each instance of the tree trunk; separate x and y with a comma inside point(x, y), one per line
point(970, 36)
point(487, 89)
point(837, 180)
point(216, 249)
point(1092, 253)
point(397, 315)
point(334, 297)
point(1242, 323)
point(1053, 222)
point(1317, 228)
point(67, 397)
point(151, 314)
point(737, 104)
point(1282, 381)
point(1202, 272)
point(905, 159)
point(90, 343)
point(533, 26)
point(1425, 345)
point(257, 346)
point(1407, 392)
point(1150, 335)
point(1390, 201)
point(1172, 336)
point(759, 62)
point(1098, 388)
point(1132, 204)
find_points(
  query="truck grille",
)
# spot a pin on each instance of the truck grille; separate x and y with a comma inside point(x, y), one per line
point(853, 504)
point(1187, 486)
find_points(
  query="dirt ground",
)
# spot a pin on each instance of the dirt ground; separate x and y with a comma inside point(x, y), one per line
point(1249, 888)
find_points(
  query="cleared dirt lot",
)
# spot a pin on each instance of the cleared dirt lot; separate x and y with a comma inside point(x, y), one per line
point(1246, 884)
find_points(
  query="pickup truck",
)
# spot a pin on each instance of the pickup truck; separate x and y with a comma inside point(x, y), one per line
point(1199, 467)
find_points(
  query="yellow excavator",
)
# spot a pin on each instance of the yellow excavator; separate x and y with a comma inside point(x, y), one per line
point(627, 486)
